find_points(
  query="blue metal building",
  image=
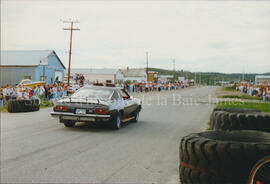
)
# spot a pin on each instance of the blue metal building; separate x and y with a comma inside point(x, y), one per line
point(37, 65)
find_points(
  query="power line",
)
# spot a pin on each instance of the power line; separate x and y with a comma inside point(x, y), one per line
point(71, 29)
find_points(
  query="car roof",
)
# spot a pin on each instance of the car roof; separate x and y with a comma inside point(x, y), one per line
point(100, 87)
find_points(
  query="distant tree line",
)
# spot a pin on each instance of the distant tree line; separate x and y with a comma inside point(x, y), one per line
point(208, 78)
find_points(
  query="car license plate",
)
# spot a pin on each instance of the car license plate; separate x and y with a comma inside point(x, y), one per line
point(80, 111)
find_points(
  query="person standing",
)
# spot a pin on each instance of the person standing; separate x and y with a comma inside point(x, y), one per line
point(19, 93)
point(1, 97)
point(264, 96)
point(37, 91)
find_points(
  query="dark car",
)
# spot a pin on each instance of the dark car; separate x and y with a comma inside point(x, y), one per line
point(98, 104)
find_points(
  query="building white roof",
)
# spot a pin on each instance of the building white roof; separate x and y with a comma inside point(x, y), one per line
point(25, 57)
point(136, 72)
point(165, 76)
point(262, 76)
point(101, 71)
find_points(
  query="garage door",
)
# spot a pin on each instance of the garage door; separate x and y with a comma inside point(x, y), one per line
point(59, 75)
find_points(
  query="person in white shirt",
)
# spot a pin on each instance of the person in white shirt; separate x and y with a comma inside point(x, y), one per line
point(25, 94)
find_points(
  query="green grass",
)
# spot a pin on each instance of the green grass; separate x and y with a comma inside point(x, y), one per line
point(263, 107)
point(247, 97)
point(4, 108)
point(232, 88)
point(46, 104)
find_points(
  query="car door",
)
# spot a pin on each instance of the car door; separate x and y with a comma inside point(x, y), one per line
point(123, 103)
point(130, 106)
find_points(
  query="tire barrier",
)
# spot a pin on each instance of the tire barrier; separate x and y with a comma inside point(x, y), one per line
point(221, 157)
point(226, 120)
point(236, 110)
point(23, 105)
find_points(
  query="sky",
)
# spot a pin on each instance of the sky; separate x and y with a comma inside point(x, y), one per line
point(205, 36)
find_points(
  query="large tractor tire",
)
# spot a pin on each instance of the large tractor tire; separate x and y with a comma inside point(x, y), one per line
point(23, 105)
point(221, 157)
point(10, 106)
point(222, 120)
point(236, 110)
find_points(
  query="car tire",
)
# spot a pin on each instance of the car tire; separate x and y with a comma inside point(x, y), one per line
point(136, 117)
point(221, 157)
point(69, 123)
point(116, 122)
point(222, 121)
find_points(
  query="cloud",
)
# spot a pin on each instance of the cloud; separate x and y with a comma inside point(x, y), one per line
point(202, 36)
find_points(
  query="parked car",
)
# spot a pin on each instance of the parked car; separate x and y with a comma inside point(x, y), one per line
point(72, 88)
point(98, 104)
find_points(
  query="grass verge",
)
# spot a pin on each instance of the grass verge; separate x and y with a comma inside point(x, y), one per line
point(4, 108)
point(263, 107)
point(232, 88)
point(46, 104)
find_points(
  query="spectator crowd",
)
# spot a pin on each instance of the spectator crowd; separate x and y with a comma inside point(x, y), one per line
point(261, 90)
point(57, 90)
point(42, 92)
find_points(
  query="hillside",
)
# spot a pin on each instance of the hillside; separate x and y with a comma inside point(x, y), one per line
point(208, 77)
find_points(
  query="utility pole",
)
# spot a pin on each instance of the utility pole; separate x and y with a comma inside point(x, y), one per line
point(71, 29)
point(200, 77)
point(147, 66)
point(243, 74)
point(195, 79)
point(174, 64)
point(173, 69)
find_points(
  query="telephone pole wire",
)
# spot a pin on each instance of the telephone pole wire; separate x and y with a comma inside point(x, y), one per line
point(71, 29)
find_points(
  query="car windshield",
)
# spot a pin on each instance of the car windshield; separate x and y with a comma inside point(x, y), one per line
point(93, 93)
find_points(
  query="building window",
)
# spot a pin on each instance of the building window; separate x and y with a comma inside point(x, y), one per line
point(43, 78)
point(109, 81)
point(27, 77)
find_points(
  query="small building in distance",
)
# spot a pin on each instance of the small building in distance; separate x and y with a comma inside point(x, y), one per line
point(36, 65)
point(262, 79)
point(152, 76)
point(134, 74)
point(165, 78)
point(101, 75)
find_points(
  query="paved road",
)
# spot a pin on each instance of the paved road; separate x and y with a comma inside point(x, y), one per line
point(36, 148)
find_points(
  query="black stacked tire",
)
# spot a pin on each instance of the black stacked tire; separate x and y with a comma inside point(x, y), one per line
point(236, 110)
point(226, 120)
point(221, 157)
point(23, 105)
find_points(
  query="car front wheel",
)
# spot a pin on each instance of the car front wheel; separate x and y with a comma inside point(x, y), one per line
point(69, 124)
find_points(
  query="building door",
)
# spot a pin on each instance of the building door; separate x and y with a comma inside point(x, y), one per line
point(59, 74)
